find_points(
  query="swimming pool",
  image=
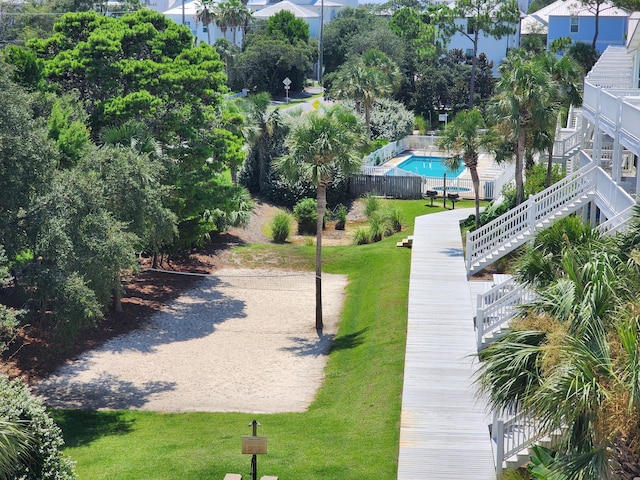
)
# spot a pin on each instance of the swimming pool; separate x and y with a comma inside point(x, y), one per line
point(429, 167)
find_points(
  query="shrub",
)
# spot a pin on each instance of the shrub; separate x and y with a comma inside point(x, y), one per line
point(341, 217)
point(421, 125)
point(362, 236)
point(17, 404)
point(392, 219)
point(306, 214)
point(280, 227)
point(372, 205)
point(376, 228)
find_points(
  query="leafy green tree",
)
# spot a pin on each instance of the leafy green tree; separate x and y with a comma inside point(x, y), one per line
point(27, 162)
point(285, 23)
point(349, 26)
point(22, 410)
point(462, 139)
point(322, 145)
point(422, 29)
point(492, 18)
point(143, 67)
point(267, 61)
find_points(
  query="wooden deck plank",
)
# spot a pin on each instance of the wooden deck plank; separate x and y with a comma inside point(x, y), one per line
point(443, 431)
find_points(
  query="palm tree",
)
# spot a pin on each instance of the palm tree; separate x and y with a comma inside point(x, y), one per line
point(205, 13)
point(572, 358)
point(324, 144)
point(524, 93)
point(462, 138)
point(371, 76)
point(234, 14)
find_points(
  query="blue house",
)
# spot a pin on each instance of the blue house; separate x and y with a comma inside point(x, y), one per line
point(570, 18)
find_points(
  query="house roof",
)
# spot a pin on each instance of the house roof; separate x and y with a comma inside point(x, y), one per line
point(531, 24)
point(327, 3)
point(190, 8)
point(297, 10)
point(573, 8)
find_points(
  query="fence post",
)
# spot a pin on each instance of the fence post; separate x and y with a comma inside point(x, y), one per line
point(479, 322)
point(468, 247)
point(498, 433)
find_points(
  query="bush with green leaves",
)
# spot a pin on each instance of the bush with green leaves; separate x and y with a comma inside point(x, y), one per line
point(306, 214)
point(46, 459)
point(341, 217)
point(280, 227)
point(389, 119)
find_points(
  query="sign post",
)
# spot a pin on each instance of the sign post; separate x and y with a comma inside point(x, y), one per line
point(254, 445)
point(287, 86)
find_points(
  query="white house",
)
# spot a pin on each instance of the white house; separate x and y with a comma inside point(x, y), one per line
point(309, 16)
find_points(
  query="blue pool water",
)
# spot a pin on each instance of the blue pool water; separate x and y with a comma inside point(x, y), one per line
point(429, 167)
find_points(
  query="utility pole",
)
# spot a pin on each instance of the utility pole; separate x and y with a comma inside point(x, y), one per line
point(320, 41)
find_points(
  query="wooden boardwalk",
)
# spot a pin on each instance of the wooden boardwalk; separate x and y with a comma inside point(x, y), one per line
point(443, 432)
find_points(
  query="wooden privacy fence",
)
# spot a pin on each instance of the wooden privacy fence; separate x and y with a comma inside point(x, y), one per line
point(389, 186)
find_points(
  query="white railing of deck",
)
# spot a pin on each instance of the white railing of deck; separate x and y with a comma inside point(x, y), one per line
point(498, 305)
point(513, 431)
point(523, 220)
point(618, 223)
point(569, 140)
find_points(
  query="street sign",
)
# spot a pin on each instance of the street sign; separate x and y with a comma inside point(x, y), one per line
point(286, 81)
point(316, 104)
point(254, 445)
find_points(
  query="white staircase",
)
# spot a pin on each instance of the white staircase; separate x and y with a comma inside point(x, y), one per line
point(497, 238)
point(496, 307)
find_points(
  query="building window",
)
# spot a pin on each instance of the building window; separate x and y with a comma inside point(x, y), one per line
point(574, 24)
point(470, 29)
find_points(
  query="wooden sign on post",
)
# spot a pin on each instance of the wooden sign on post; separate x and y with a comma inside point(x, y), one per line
point(252, 445)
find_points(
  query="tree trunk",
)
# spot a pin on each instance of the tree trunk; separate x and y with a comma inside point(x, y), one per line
point(547, 182)
point(519, 164)
point(367, 119)
point(117, 295)
point(472, 82)
point(322, 205)
point(597, 29)
point(475, 179)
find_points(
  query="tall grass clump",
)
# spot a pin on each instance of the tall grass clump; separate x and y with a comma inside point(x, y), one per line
point(371, 205)
point(341, 217)
point(383, 222)
point(280, 227)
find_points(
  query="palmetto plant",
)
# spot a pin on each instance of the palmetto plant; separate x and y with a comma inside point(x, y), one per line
point(572, 359)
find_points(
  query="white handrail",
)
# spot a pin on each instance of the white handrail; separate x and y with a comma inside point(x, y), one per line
point(513, 431)
point(498, 305)
point(520, 223)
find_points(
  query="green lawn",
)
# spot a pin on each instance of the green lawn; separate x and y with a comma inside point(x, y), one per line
point(350, 431)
